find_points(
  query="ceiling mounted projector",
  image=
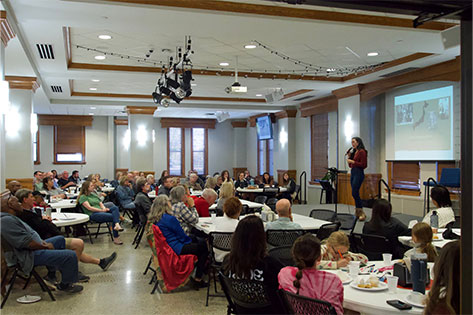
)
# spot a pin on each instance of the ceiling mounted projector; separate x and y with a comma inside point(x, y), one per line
point(236, 87)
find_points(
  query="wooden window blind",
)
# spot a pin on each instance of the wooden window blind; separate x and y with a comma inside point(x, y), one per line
point(69, 145)
point(176, 151)
point(199, 150)
point(319, 145)
point(404, 175)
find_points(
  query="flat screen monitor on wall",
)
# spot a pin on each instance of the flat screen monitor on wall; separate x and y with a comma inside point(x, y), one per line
point(264, 128)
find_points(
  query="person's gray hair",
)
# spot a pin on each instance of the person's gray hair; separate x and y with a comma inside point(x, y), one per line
point(149, 176)
point(209, 192)
point(177, 193)
point(159, 207)
point(22, 194)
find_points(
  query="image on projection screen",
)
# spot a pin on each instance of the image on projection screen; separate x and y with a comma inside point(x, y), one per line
point(423, 125)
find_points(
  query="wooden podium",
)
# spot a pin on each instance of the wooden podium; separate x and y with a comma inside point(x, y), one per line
point(368, 190)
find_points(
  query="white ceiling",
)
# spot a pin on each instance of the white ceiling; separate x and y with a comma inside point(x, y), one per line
point(216, 37)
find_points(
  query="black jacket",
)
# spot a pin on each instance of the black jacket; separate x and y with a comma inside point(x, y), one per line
point(391, 230)
point(44, 228)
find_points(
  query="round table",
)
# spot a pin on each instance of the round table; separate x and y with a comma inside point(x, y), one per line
point(67, 219)
point(257, 190)
point(63, 204)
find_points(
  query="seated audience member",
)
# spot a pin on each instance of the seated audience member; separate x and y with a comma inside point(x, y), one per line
point(116, 182)
point(14, 186)
point(248, 259)
point(336, 247)
point(75, 178)
point(38, 180)
point(125, 193)
point(63, 182)
point(29, 250)
point(193, 182)
point(142, 199)
point(422, 238)
point(284, 222)
point(161, 215)
point(211, 182)
point(248, 177)
point(39, 200)
point(183, 209)
point(383, 224)
point(54, 174)
point(231, 212)
point(267, 181)
point(48, 187)
point(161, 179)
point(203, 202)
point(166, 186)
point(441, 199)
point(151, 182)
point(142, 174)
point(241, 182)
point(226, 191)
point(290, 185)
point(306, 280)
point(444, 295)
point(46, 229)
point(219, 182)
point(95, 209)
point(226, 177)
point(51, 175)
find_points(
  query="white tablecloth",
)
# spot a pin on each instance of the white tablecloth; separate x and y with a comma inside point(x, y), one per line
point(207, 225)
point(63, 204)
point(375, 302)
point(66, 219)
point(250, 204)
point(257, 190)
point(440, 242)
point(107, 189)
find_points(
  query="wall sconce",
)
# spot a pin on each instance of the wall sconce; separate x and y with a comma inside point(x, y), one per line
point(348, 128)
point(283, 137)
point(141, 135)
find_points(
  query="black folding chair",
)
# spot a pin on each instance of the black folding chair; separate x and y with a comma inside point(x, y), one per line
point(108, 226)
point(283, 237)
point(271, 202)
point(282, 254)
point(301, 305)
point(261, 199)
point(347, 221)
point(323, 214)
point(327, 229)
point(373, 246)
point(221, 241)
point(140, 230)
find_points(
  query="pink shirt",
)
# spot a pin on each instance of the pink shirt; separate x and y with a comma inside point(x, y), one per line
point(316, 284)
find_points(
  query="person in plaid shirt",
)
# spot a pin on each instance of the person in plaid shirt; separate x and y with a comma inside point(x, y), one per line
point(183, 209)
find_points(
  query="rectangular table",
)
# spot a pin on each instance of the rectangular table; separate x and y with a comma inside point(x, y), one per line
point(206, 225)
point(440, 242)
point(250, 204)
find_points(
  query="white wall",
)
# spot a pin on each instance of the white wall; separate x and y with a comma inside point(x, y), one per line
point(239, 147)
point(251, 147)
point(348, 125)
point(160, 148)
point(221, 143)
point(97, 150)
point(122, 148)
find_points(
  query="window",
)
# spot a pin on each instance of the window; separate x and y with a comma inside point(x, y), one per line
point(265, 156)
point(319, 145)
point(176, 151)
point(69, 145)
point(36, 159)
point(199, 152)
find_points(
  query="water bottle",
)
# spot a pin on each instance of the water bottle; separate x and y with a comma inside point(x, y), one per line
point(252, 182)
point(434, 220)
point(419, 272)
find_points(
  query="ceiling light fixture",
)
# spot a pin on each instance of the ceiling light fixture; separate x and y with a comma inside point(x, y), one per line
point(250, 46)
point(95, 80)
point(91, 114)
point(100, 57)
point(93, 107)
point(105, 36)
point(373, 54)
point(224, 64)
point(93, 89)
point(259, 95)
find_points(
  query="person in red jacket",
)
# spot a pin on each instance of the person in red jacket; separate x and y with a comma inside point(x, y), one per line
point(203, 202)
point(357, 161)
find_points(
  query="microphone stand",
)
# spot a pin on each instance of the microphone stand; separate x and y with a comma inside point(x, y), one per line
point(334, 177)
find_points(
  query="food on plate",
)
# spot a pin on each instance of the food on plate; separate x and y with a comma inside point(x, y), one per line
point(374, 281)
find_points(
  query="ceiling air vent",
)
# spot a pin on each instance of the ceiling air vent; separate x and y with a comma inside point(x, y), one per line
point(45, 51)
point(56, 88)
point(304, 98)
point(395, 73)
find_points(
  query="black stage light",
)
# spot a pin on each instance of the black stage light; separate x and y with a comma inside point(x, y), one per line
point(157, 97)
point(175, 98)
point(173, 84)
point(164, 90)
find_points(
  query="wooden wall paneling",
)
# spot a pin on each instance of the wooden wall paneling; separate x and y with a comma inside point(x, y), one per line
point(287, 113)
point(25, 182)
point(238, 170)
point(65, 120)
point(292, 174)
point(319, 106)
point(188, 123)
point(141, 110)
point(121, 122)
point(347, 91)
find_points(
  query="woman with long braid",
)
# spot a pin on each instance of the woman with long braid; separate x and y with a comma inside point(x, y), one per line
point(306, 279)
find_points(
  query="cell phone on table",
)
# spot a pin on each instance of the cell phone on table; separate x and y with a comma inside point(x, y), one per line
point(399, 305)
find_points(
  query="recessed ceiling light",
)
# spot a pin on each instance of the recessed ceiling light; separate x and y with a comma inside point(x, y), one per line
point(193, 84)
point(100, 57)
point(224, 64)
point(373, 54)
point(250, 46)
point(95, 80)
point(259, 95)
point(93, 107)
point(105, 36)
point(330, 70)
point(93, 89)
point(91, 114)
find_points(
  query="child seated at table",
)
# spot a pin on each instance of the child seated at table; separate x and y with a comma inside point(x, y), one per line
point(306, 280)
point(335, 252)
point(422, 238)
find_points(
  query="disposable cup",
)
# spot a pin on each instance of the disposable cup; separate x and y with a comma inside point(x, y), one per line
point(354, 268)
point(392, 283)
point(387, 259)
point(213, 217)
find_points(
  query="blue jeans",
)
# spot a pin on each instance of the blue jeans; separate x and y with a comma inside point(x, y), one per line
point(130, 205)
point(112, 216)
point(356, 179)
point(63, 259)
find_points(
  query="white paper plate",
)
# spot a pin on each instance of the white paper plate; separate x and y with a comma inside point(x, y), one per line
point(381, 286)
point(409, 301)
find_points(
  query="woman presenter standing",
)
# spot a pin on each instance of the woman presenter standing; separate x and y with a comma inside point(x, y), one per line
point(357, 161)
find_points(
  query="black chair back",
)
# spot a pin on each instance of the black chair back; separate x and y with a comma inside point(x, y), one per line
point(347, 221)
point(282, 254)
point(271, 190)
point(245, 210)
point(261, 199)
point(373, 246)
point(245, 296)
point(323, 214)
point(327, 229)
point(283, 237)
point(301, 305)
point(271, 202)
point(220, 240)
